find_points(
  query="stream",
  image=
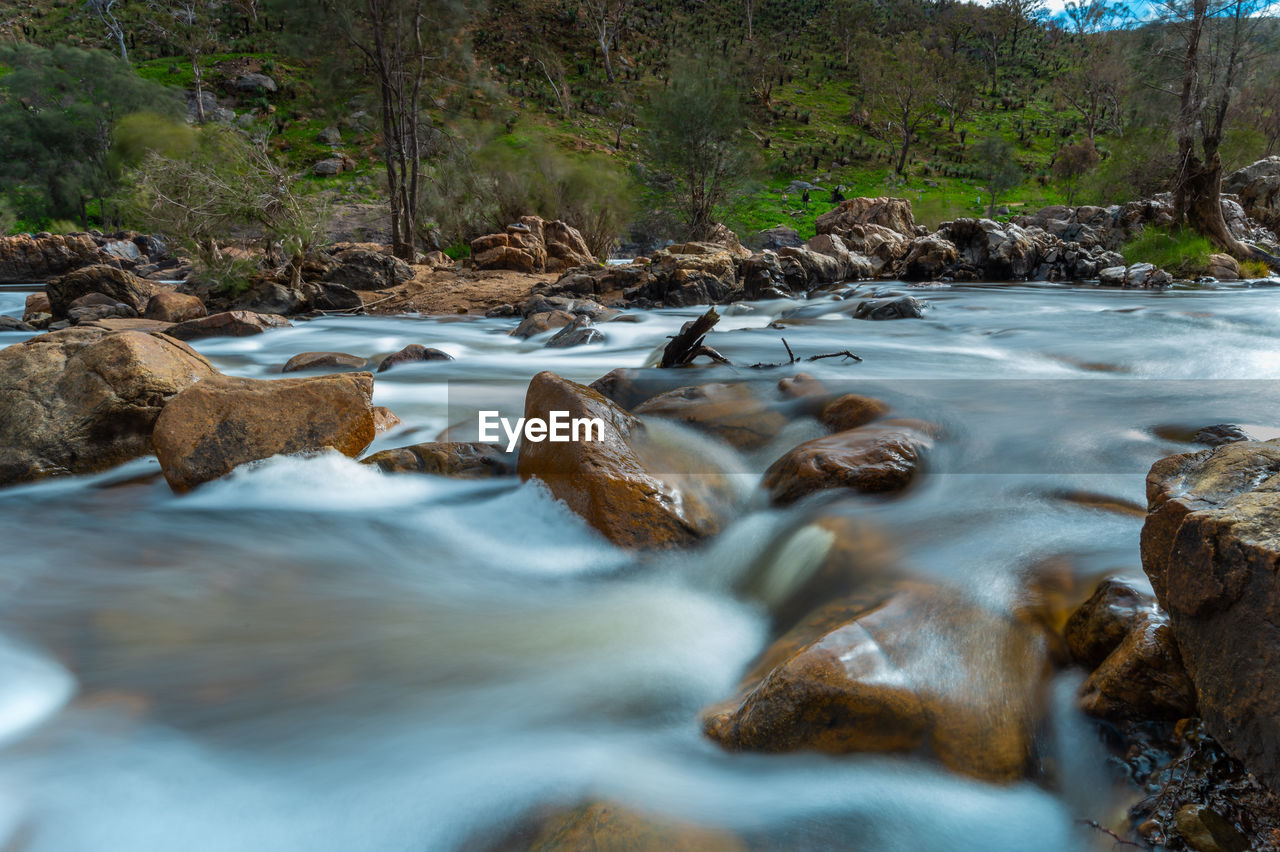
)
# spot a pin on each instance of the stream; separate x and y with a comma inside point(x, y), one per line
point(312, 655)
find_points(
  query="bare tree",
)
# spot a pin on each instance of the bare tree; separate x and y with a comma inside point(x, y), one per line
point(105, 10)
point(955, 82)
point(606, 21)
point(553, 69)
point(1094, 84)
point(190, 27)
point(897, 82)
point(1020, 16)
point(1217, 42)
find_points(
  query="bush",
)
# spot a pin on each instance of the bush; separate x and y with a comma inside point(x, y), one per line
point(1182, 252)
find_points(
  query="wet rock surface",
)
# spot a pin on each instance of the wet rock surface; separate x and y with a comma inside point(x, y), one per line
point(879, 458)
point(457, 459)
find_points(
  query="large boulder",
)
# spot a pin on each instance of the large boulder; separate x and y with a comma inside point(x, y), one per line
point(120, 285)
point(1210, 546)
point(690, 274)
point(622, 484)
point(532, 245)
point(736, 413)
point(929, 258)
point(218, 424)
point(26, 259)
point(873, 459)
point(898, 666)
point(365, 269)
point(883, 247)
point(83, 400)
point(227, 324)
point(892, 213)
point(1258, 186)
point(994, 251)
point(169, 306)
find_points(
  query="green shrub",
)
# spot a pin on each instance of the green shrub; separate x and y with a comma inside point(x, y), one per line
point(1182, 252)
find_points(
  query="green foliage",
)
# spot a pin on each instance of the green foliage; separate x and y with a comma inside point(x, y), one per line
point(996, 167)
point(1072, 162)
point(1138, 165)
point(1182, 252)
point(57, 110)
point(481, 186)
point(694, 143)
point(8, 218)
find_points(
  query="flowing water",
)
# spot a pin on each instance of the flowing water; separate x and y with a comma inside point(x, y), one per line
point(311, 655)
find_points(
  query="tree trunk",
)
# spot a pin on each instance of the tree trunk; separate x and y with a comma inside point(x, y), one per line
point(902, 154)
point(604, 50)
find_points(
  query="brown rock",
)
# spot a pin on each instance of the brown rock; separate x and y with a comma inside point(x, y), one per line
point(384, 419)
point(542, 322)
point(462, 460)
point(603, 827)
point(732, 412)
point(872, 459)
point(129, 324)
point(331, 361)
point(412, 354)
point(83, 400)
point(366, 269)
point(25, 258)
point(168, 306)
point(629, 386)
point(1102, 622)
point(1143, 678)
point(37, 303)
point(892, 213)
point(111, 281)
point(1210, 546)
point(617, 484)
point(215, 425)
point(505, 257)
point(901, 667)
point(851, 411)
point(227, 324)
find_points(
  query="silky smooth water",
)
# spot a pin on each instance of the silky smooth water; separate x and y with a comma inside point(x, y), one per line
point(311, 655)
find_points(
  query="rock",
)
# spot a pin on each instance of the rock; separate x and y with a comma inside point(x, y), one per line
point(732, 412)
point(629, 387)
point(8, 323)
point(96, 306)
point(110, 281)
point(609, 482)
point(328, 167)
point(125, 251)
point(892, 213)
point(1112, 276)
point(1258, 186)
point(603, 827)
point(37, 303)
point(1223, 433)
point(1143, 678)
point(995, 251)
point(255, 83)
point(851, 411)
point(896, 307)
point(817, 268)
point(384, 419)
point(329, 136)
point(462, 460)
point(772, 239)
point(898, 667)
point(929, 258)
point(25, 259)
point(328, 296)
point(1205, 830)
point(362, 269)
point(227, 324)
point(872, 459)
point(331, 361)
point(884, 248)
point(1209, 546)
point(218, 424)
point(690, 274)
point(1224, 267)
point(168, 306)
point(83, 400)
point(762, 273)
point(541, 323)
point(722, 236)
point(129, 324)
point(580, 332)
point(1101, 623)
point(412, 354)
point(532, 245)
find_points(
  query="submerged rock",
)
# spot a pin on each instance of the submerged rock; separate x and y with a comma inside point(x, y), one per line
point(227, 324)
point(323, 361)
point(540, 323)
point(732, 412)
point(895, 307)
point(635, 498)
point(452, 458)
point(414, 353)
point(216, 425)
point(604, 827)
point(874, 459)
point(83, 400)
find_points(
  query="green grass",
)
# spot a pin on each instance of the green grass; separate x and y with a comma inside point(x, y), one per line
point(1182, 252)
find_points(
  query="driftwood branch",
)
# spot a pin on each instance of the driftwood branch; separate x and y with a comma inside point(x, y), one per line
point(687, 345)
point(1120, 841)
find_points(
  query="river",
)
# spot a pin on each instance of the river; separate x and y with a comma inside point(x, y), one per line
point(312, 655)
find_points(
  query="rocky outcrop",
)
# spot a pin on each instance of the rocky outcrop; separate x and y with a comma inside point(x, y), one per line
point(214, 426)
point(689, 274)
point(121, 285)
point(1210, 546)
point(623, 485)
point(874, 459)
point(1258, 188)
point(170, 306)
point(84, 400)
point(227, 324)
point(365, 269)
point(26, 259)
point(892, 213)
point(899, 666)
point(456, 459)
point(532, 245)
